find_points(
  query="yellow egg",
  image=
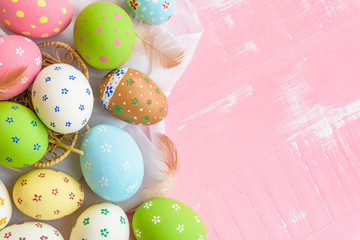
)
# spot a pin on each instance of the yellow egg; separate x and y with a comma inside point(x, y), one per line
point(47, 194)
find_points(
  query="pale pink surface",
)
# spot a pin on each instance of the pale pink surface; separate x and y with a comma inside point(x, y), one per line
point(265, 120)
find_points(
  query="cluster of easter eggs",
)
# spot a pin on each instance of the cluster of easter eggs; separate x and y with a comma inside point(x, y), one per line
point(46, 194)
point(62, 98)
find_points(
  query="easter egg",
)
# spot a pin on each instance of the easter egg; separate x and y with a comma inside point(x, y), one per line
point(104, 35)
point(133, 97)
point(36, 18)
point(5, 206)
point(151, 11)
point(102, 220)
point(18, 53)
point(47, 194)
point(30, 231)
point(23, 138)
point(62, 98)
point(112, 163)
point(167, 219)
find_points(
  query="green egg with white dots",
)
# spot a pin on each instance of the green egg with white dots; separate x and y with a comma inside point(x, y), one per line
point(23, 137)
point(104, 35)
point(167, 219)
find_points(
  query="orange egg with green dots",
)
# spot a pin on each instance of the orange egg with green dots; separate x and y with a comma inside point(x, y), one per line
point(36, 18)
point(133, 97)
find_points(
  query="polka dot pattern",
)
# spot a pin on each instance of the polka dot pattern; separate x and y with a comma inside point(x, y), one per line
point(20, 14)
point(104, 59)
point(43, 19)
point(133, 97)
point(117, 42)
point(99, 33)
point(25, 17)
point(41, 3)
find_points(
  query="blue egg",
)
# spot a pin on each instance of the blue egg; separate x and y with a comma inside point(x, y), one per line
point(151, 11)
point(112, 163)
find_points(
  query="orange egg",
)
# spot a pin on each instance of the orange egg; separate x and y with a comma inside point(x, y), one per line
point(133, 97)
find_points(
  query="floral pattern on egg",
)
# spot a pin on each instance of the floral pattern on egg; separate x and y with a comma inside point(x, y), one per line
point(102, 220)
point(152, 11)
point(5, 206)
point(31, 230)
point(112, 164)
point(164, 218)
point(47, 194)
point(24, 139)
point(62, 98)
point(133, 97)
point(17, 51)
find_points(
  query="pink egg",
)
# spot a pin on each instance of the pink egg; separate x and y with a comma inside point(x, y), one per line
point(16, 52)
point(36, 18)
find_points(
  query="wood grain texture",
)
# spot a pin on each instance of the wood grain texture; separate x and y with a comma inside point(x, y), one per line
point(266, 120)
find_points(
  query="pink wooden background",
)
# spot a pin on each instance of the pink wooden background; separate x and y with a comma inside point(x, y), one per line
point(266, 120)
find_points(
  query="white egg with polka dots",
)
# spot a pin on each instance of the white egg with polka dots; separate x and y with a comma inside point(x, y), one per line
point(62, 98)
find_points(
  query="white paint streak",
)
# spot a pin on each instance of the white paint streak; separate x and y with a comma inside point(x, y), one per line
point(222, 5)
point(283, 224)
point(229, 20)
point(303, 116)
point(323, 120)
point(224, 105)
point(248, 47)
point(298, 217)
point(333, 7)
point(306, 6)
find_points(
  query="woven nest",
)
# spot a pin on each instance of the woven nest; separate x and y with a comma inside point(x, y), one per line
point(60, 145)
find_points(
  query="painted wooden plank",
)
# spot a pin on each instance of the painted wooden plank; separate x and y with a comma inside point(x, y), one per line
point(267, 114)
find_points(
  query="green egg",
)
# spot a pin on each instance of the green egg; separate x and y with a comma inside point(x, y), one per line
point(167, 219)
point(23, 137)
point(104, 35)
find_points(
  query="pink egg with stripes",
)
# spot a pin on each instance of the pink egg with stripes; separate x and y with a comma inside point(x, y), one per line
point(18, 52)
point(36, 18)
point(104, 35)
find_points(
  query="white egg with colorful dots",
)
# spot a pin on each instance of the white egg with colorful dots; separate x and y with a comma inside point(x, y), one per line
point(30, 231)
point(62, 98)
point(101, 221)
point(152, 11)
point(36, 18)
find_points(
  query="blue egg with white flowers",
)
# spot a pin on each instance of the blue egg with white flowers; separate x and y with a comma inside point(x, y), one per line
point(112, 163)
point(152, 11)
